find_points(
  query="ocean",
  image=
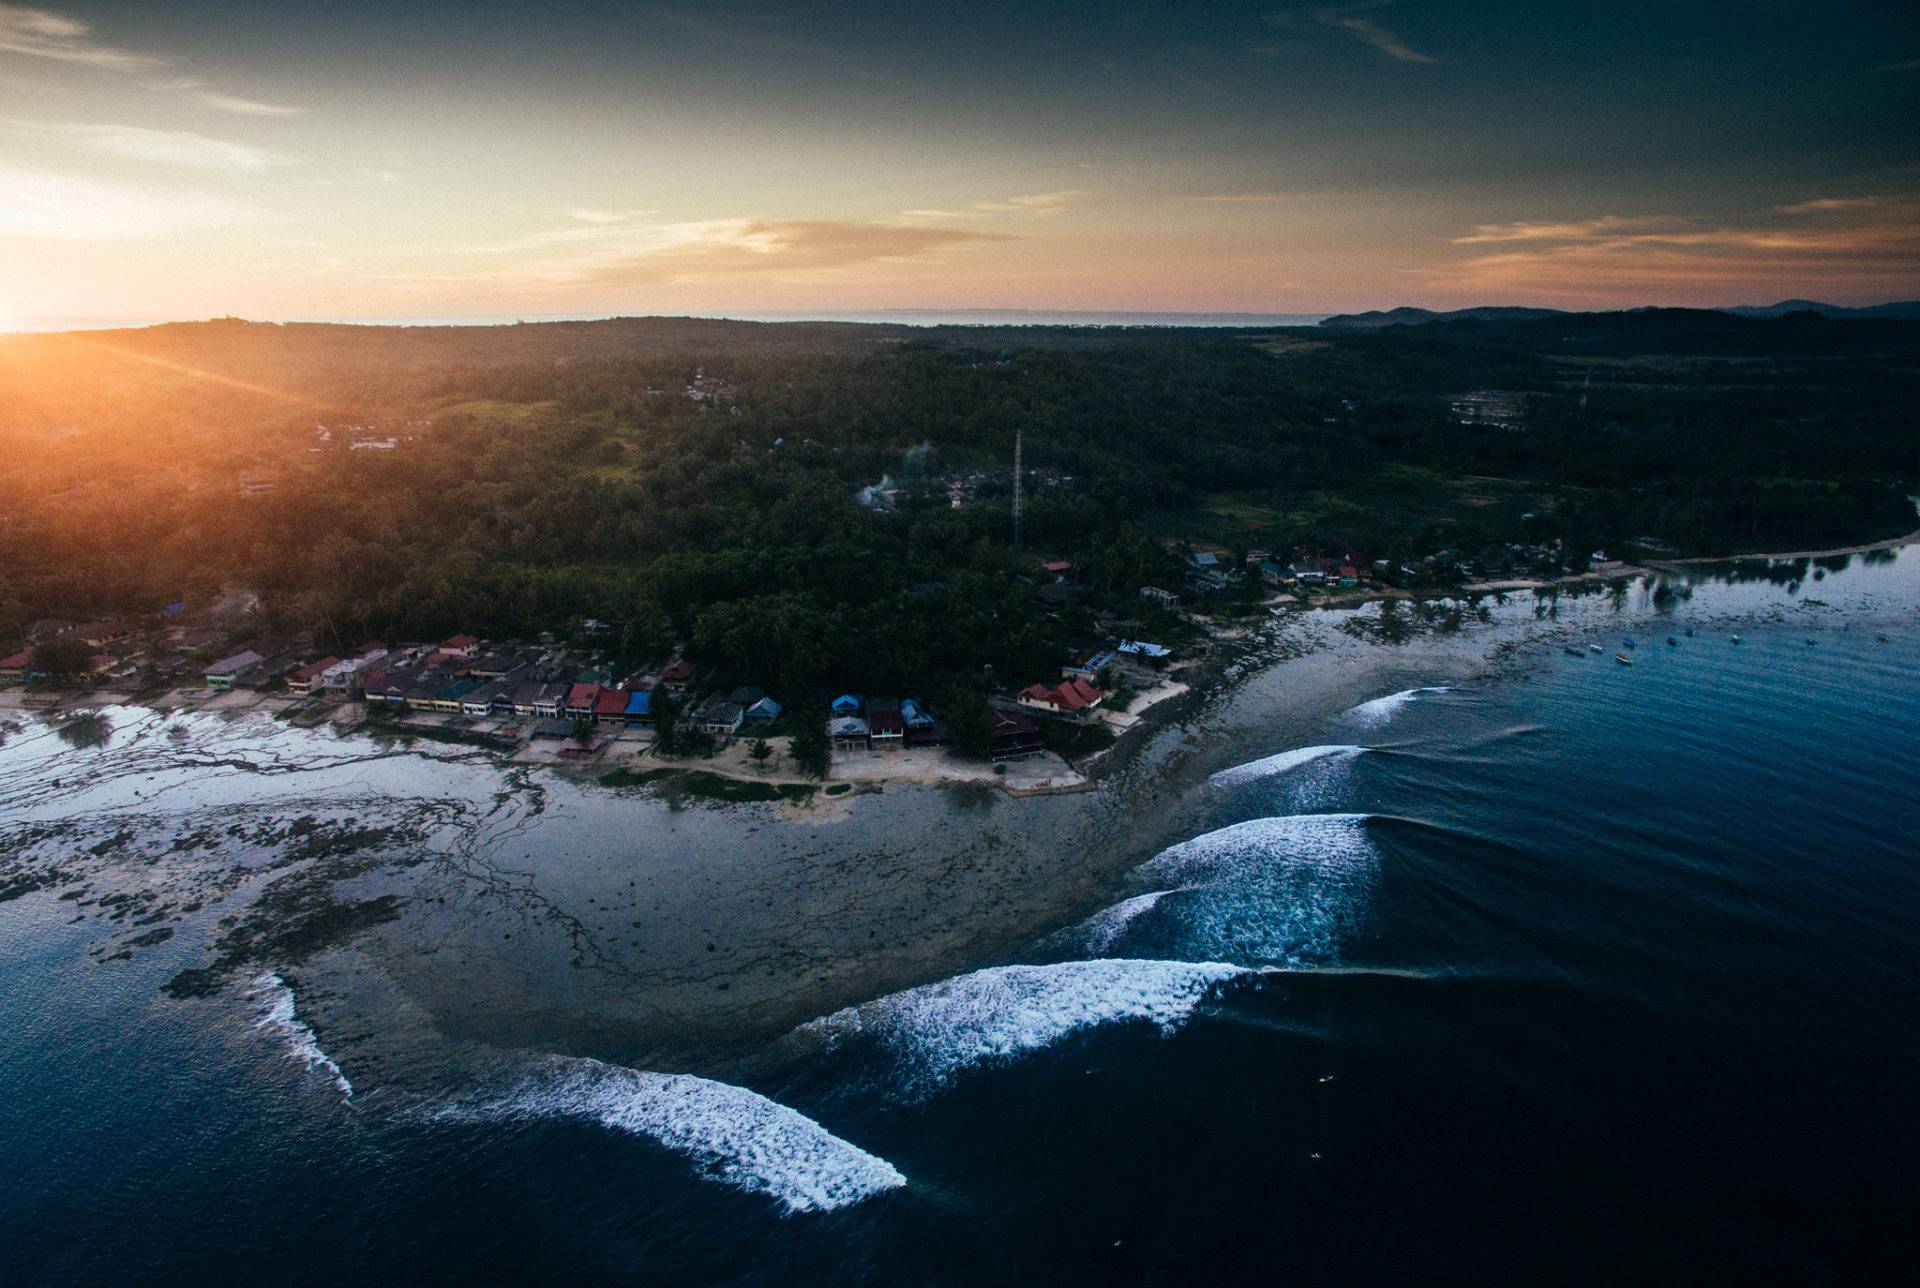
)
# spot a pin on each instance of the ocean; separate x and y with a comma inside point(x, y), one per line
point(1471, 959)
point(898, 317)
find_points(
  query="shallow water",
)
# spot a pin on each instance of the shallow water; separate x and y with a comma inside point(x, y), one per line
point(1387, 961)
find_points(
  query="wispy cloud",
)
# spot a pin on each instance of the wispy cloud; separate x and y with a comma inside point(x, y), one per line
point(1036, 204)
point(1348, 20)
point(38, 33)
point(222, 102)
point(41, 33)
point(157, 147)
point(636, 254)
point(1855, 242)
point(61, 207)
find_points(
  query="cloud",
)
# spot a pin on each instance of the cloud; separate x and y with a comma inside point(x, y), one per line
point(38, 33)
point(1347, 20)
point(643, 254)
point(1863, 243)
point(157, 147)
point(1038, 203)
point(59, 207)
point(1911, 65)
point(590, 215)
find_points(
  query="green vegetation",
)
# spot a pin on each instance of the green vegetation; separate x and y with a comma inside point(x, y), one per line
point(529, 477)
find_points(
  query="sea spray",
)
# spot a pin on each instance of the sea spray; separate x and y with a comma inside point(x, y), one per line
point(732, 1135)
point(928, 1035)
point(279, 1017)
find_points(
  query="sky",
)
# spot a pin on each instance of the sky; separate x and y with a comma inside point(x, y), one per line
point(351, 159)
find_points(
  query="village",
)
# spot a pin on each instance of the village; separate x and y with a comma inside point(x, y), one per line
point(569, 704)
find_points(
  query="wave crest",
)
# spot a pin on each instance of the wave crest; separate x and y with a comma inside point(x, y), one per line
point(279, 1016)
point(934, 1032)
point(1272, 766)
point(1380, 710)
point(1273, 890)
point(734, 1136)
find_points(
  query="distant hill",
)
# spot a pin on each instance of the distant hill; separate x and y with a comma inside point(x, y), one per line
point(1407, 316)
point(1903, 310)
point(1900, 311)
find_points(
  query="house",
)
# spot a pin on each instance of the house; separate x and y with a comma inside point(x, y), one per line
point(886, 728)
point(720, 715)
point(462, 645)
point(496, 666)
point(479, 702)
point(346, 676)
point(759, 708)
point(847, 704)
point(544, 701)
point(1087, 664)
point(1160, 598)
point(221, 674)
point(582, 699)
point(676, 674)
point(1069, 697)
point(639, 708)
point(848, 733)
point(1014, 737)
point(1275, 573)
point(450, 697)
point(101, 634)
point(303, 680)
point(1060, 569)
point(13, 669)
point(923, 726)
point(1306, 573)
point(553, 729)
point(1206, 561)
point(1140, 648)
point(611, 705)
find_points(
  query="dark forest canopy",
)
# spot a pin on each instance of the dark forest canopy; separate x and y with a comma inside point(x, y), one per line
point(542, 473)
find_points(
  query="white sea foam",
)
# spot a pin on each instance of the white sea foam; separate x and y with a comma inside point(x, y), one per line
point(279, 1017)
point(734, 1136)
point(1273, 890)
point(934, 1032)
point(1273, 766)
point(1380, 710)
point(1098, 932)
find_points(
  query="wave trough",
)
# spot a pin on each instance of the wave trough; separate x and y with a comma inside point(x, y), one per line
point(732, 1135)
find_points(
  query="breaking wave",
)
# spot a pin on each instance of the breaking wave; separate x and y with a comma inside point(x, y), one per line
point(278, 1016)
point(1273, 766)
point(1274, 890)
point(733, 1136)
point(1097, 933)
point(930, 1034)
point(1381, 710)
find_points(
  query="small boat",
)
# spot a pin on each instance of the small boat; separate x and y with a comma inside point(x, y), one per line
point(1629, 642)
point(1689, 632)
point(1623, 659)
point(1575, 652)
point(1736, 639)
point(1884, 639)
point(1672, 642)
point(1595, 648)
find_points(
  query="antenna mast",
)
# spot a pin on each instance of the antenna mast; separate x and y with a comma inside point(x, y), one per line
point(1019, 487)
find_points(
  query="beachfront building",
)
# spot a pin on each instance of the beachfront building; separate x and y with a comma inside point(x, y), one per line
point(221, 674)
point(1069, 697)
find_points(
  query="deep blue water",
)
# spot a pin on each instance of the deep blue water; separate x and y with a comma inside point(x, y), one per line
point(1585, 973)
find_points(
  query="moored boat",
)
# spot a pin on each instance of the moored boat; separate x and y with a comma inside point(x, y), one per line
point(1623, 659)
